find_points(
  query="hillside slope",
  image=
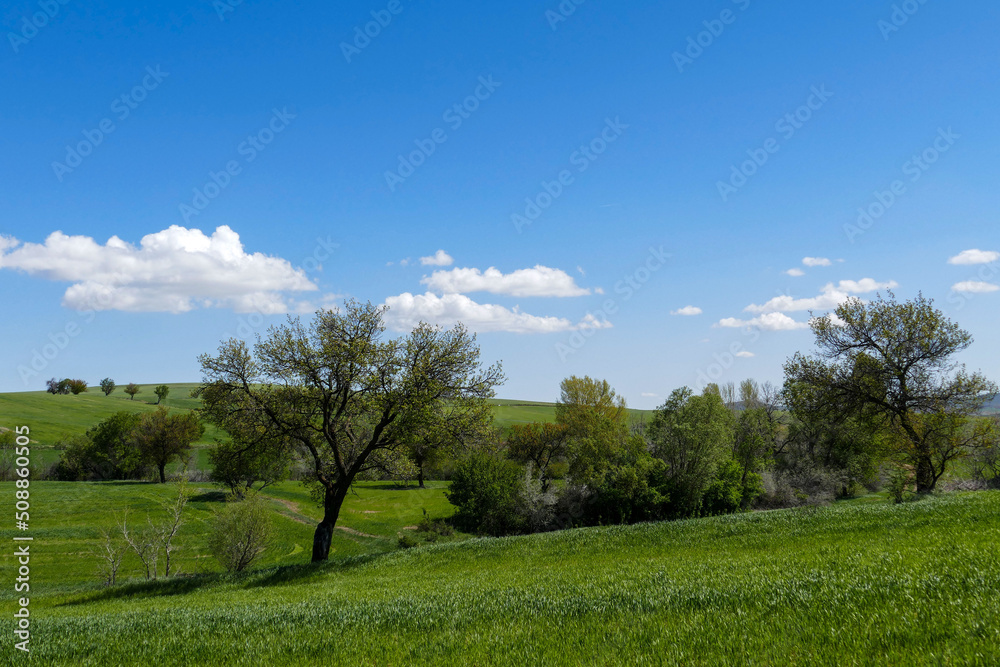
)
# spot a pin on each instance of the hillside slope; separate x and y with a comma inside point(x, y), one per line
point(856, 583)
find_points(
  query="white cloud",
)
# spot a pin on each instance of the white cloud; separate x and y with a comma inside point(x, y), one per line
point(816, 261)
point(766, 322)
point(967, 257)
point(539, 281)
point(175, 270)
point(745, 354)
point(440, 258)
point(687, 311)
point(407, 310)
point(647, 394)
point(832, 296)
point(795, 273)
point(975, 287)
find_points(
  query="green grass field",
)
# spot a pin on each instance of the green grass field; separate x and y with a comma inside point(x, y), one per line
point(863, 582)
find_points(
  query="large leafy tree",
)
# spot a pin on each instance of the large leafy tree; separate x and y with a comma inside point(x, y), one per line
point(341, 393)
point(693, 435)
point(163, 437)
point(892, 363)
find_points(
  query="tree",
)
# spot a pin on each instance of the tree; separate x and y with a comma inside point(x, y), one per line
point(348, 399)
point(892, 363)
point(107, 386)
point(587, 394)
point(77, 386)
point(55, 386)
point(240, 466)
point(161, 392)
point(162, 437)
point(451, 428)
point(132, 389)
point(539, 444)
point(693, 435)
point(486, 490)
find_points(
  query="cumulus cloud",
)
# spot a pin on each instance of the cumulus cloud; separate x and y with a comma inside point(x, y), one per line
point(539, 281)
point(175, 270)
point(765, 322)
point(816, 261)
point(745, 354)
point(440, 258)
point(975, 287)
point(967, 257)
point(795, 273)
point(832, 295)
point(647, 394)
point(687, 311)
point(407, 310)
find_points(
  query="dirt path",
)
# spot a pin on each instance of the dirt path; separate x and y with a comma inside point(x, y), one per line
point(355, 532)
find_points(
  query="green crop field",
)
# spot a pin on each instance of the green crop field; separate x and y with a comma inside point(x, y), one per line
point(863, 582)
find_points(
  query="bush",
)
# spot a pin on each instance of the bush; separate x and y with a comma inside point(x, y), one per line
point(730, 492)
point(407, 542)
point(77, 386)
point(630, 492)
point(241, 532)
point(108, 451)
point(55, 386)
point(486, 491)
point(900, 480)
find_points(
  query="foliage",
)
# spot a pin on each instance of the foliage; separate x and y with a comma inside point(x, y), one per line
point(55, 386)
point(132, 389)
point(732, 489)
point(240, 466)
point(241, 531)
point(161, 391)
point(891, 363)
point(340, 394)
point(162, 437)
point(590, 395)
point(692, 435)
point(631, 491)
point(107, 386)
point(77, 387)
point(108, 451)
point(485, 490)
point(540, 444)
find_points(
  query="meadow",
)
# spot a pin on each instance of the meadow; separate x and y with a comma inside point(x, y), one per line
point(859, 582)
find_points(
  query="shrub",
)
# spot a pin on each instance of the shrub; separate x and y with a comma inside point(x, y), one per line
point(900, 480)
point(77, 386)
point(486, 490)
point(407, 542)
point(631, 491)
point(55, 386)
point(241, 532)
point(730, 491)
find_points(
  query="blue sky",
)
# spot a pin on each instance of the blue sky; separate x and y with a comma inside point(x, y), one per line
point(250, 141)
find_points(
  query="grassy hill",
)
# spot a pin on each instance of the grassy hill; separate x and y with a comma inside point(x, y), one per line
point(52, 418)
point(856, 583)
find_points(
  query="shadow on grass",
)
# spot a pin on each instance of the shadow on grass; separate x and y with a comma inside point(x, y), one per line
point(155, 588)
point(273, 576)
point(209, 497)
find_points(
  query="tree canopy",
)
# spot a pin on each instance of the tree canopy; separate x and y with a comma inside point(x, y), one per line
point(344, 395)
point(893, 363)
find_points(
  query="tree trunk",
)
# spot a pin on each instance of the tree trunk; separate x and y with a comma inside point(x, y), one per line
point(323, 537)
point(163, 472)
point(924, 473)
point(420, 477)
